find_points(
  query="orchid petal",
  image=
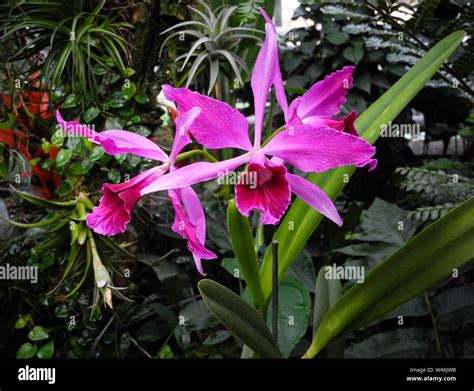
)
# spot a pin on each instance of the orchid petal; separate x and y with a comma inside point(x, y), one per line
point(181, 137)
point(184, 226)
point(319, 149)
point(349, 120)
point(195, 212)
point(218, 125)
point(314, 197)
point(277, 80)
point(344, 124)
point(326, 96)
point(195, 173)
point(116, 142)
point(317, 122)
point(263, 76)
point(113, 213)
point(263, 187)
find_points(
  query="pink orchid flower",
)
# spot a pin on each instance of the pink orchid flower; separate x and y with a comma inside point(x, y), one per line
point(318, 105)
point(113, 213)
point(310, 141)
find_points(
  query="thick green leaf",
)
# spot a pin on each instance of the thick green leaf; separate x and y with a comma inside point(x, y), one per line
point(303, 269)
point(38, 334)
point(141, 98)
point(327, 292)
point(195, 316)
point(301, 220)
point(71, 101)
point(57, 139)
point(128, 90)
point(46, 351)
point(294, 309)
point(27, 350)
point(244, 249)
point(353, 54)
point(114, 175)
point(22, 321)
point(216, 338)
point(63, 157)
point(96, 153)
point(231, 266)
point(239, 317)
point(91, 114)
point(338, 38)
point(429, 257)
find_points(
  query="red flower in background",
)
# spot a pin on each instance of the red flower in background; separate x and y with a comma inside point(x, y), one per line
point(32, 111)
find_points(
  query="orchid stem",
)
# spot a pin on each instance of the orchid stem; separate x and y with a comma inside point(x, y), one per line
point(196, 152)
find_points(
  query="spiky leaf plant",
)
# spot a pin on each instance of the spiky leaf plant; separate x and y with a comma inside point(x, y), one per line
point(216, 44)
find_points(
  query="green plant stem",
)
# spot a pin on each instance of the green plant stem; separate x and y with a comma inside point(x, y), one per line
point(86, 271)
point(196, 152)
point(95, 254)
point(280, 129)
point(435, 327)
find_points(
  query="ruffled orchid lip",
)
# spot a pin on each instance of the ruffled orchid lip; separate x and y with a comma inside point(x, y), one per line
point(264, 187)
point(114, 211)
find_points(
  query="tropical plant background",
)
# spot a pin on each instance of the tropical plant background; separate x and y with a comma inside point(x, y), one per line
point(104, 62)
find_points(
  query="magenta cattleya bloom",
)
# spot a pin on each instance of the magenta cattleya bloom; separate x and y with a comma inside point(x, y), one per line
point(115, 207)
point(312, 140)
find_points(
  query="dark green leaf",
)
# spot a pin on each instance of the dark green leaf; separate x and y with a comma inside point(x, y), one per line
point(196, 316)
point(239, 317)
point(46, 351)
point(38, 334)
point(91, 114)
point(71, 101)
point(96, 153)
point(128, 90)
point(294, 309)
point(337, 38)
point(26, 351)
point(353, 54)
point(63, 157)
point(244, 250)
point(400, 343)
point(217, 338)
point(114, 175)
point(57, 139)
point(142, 98)
point(429, 257)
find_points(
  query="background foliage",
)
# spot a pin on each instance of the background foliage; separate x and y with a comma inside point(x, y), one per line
point(109, 76)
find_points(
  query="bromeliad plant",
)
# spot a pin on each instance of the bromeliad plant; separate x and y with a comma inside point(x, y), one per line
point(215, 47)
point(313, 140)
